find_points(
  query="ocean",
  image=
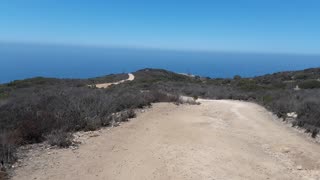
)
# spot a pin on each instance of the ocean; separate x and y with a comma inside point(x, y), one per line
point(20, 61)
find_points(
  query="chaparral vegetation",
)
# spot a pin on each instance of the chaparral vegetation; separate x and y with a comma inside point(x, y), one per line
point(49, 109)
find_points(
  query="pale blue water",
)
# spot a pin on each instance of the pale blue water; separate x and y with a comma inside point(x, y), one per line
point(25, 61)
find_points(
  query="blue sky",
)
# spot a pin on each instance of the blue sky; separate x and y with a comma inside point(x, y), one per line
point(276, 26)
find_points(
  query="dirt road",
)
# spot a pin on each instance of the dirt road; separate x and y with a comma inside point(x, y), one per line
point(214, 140)
point(105, 85)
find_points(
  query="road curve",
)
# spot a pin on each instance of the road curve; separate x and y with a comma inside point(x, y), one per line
point(106, 85)
point(215, 140)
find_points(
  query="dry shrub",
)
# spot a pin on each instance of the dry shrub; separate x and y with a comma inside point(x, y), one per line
point(314, 132)
point(7, 147)
point(59, 138)
point(92, 124)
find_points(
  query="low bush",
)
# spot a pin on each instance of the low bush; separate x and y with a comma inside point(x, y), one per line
point(130, 114)
point(92, 123)
point(123, 116)
point(59, 138)
point(309, 84)
point(109, 78)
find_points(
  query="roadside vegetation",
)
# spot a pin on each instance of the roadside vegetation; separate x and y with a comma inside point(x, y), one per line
point(49, 109)
point(39, 109)
point(281, 93)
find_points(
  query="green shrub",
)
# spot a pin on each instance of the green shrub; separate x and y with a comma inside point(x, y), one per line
point(4, 95)
point(301, 76)
point(248, 85)
point(195, 97)
point(309, 84)
point(267, 99)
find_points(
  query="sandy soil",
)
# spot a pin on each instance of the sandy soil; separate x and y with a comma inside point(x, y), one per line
point(105, 85)
point(214, 140)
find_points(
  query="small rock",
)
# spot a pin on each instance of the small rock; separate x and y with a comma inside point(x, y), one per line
point(299, 168)
point(116, 124)
point(292, 115)
point(74, 147)
point(285, 150)
point(94, 135)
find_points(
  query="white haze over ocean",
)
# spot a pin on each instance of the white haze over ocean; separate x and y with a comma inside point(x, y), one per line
point(20, 61)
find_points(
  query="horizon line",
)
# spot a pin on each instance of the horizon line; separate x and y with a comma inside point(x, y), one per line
point(152, 48)
point(176, 72)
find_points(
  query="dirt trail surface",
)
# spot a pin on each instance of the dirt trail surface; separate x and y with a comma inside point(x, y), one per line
point(215, 140)
point(105, 85)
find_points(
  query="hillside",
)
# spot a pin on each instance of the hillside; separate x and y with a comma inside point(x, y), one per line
point(49, 109)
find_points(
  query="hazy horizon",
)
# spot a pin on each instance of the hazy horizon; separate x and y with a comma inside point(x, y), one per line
point(21, 61)
point(81, 38)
